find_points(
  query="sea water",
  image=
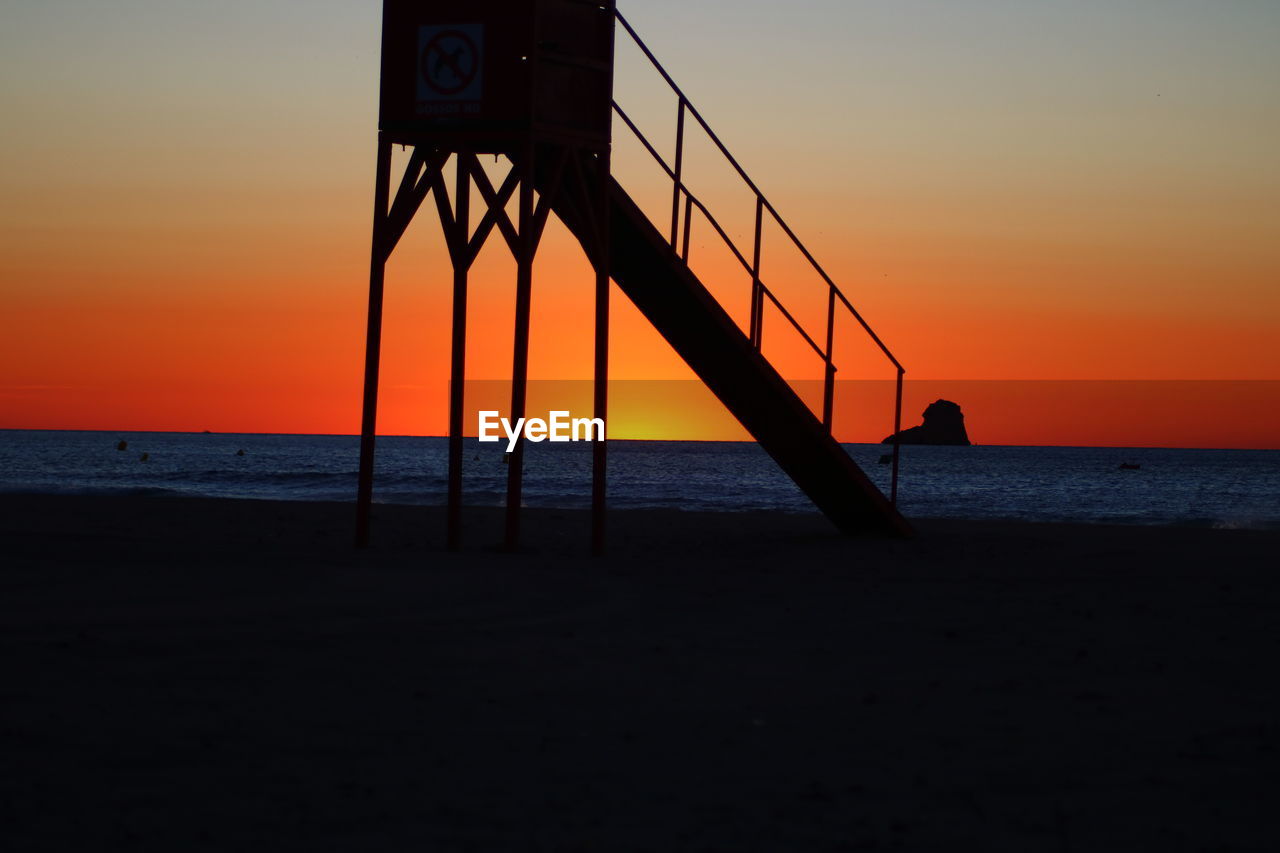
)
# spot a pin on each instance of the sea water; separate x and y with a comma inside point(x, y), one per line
point(1214, 488)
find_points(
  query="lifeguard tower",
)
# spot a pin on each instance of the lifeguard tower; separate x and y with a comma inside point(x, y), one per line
point(531, 81)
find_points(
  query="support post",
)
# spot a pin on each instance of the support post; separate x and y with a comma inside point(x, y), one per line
point(600, 450)
point(520, 358)
point(373, 341)
point(461, 257)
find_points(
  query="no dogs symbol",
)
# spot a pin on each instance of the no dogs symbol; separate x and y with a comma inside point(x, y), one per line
point(449, 63)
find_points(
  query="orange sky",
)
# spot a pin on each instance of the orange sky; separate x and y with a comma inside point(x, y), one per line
point(1032, 194)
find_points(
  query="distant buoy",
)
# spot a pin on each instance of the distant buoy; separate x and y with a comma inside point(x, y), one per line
point(886, 458)
point(240, 452)
point(144, 457)
point(123, 445)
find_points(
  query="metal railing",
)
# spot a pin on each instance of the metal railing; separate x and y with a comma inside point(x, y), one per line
point(759, 291)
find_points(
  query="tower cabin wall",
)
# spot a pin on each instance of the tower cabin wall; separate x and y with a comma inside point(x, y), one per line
point(486, 75)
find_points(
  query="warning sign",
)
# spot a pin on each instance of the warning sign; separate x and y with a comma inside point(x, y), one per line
point(450, 64)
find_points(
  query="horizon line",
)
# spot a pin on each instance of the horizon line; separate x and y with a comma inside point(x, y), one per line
point(356, 436)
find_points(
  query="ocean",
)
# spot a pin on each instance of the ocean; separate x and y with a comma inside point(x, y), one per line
point(1207, 488)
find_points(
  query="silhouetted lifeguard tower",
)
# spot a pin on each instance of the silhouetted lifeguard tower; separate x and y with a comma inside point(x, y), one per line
point(532, 81)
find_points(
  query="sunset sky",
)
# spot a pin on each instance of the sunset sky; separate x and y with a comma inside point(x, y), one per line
point(1026, 190)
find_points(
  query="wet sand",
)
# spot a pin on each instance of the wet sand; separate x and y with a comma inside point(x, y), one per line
point(233, 675)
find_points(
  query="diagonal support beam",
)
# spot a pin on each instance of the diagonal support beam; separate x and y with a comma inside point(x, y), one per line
point(596, 224)
point(409, 197)
point(409, 181)
point(496, 213)
point(547, 198)
point(497, 206)
point(448, 222)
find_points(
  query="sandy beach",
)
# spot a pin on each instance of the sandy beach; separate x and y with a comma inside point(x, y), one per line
point(233, 675)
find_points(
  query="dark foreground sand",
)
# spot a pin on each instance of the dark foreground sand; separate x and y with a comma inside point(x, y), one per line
point(224, 675)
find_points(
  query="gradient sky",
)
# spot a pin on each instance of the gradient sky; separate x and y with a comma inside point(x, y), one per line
point(1008, 190)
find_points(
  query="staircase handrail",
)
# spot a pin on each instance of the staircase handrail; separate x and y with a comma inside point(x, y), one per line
point(759, 291)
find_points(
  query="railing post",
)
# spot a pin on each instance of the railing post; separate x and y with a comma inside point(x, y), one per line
point(829, 388)
point(828, 395)
point(679, 167)
point(688, 226)
point(757, 301)
point(897, 428)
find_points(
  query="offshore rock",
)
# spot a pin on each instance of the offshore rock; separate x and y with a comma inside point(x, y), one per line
point(943, 424)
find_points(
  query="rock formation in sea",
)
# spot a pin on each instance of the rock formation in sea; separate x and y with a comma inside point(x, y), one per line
point(943, 424)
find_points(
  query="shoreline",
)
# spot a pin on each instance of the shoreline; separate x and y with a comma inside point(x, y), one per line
point(204, 674)
point(160, 494)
